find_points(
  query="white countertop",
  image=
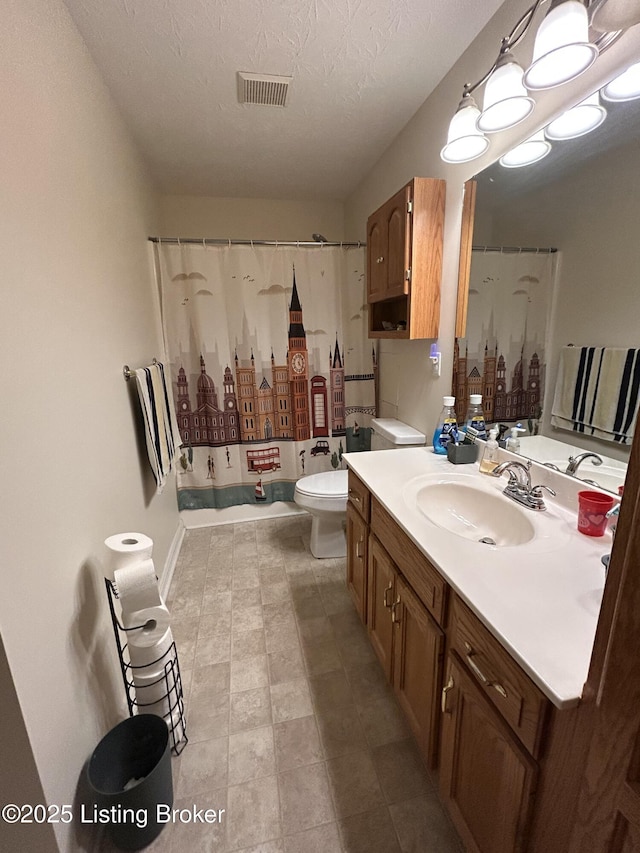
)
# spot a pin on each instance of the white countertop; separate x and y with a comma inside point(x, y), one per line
point(541, 600)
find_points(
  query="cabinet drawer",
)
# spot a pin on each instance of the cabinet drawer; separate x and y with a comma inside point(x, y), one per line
point(359, 496)
point(511, 691)
point(427, 583)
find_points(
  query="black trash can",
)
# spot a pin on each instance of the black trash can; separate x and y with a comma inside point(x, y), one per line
point(130, 774)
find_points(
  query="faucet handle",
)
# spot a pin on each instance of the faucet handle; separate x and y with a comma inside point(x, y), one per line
point(536, 491)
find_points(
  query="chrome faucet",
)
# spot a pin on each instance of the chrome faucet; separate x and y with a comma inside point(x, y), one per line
point(519, 487)
point(575, 461)
point(518, 473)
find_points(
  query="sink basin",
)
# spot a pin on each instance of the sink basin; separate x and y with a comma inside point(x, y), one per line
point(475, 514)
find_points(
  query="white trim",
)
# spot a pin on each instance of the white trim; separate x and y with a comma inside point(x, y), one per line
point(170, 563)
point(194, 518)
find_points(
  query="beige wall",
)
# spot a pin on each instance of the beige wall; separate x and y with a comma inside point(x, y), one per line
point(409, 390)
point(78, 303)
point(250, 218)
point(591, 217)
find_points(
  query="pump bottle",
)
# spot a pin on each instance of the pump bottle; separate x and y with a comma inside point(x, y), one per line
point(446, 423)
point(490, 456)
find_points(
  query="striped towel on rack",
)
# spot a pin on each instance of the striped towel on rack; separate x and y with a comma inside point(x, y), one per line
point(597, 392)
point(161, 428)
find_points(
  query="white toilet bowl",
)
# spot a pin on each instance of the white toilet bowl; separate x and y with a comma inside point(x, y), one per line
point(324, 496)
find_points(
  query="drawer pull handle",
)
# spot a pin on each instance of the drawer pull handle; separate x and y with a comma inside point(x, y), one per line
point(443, 701)
point(380, 260)
point(384, 598)
point(393, 610)
point(359, 545)
point(473, 666)
point(354, 496)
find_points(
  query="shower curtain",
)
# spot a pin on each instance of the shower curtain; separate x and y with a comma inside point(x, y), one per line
point(503, 356)
point(272, 373)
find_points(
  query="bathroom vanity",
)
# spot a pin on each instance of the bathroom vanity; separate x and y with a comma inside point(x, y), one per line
point(487, 646)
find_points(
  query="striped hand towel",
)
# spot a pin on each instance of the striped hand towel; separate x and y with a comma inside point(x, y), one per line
point(161, 428)
point(597, 392)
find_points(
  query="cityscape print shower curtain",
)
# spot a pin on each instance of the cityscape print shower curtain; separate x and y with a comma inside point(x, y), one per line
point(272, 373)
point(503, 356)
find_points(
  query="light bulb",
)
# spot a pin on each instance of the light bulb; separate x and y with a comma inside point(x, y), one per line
point(562, 50)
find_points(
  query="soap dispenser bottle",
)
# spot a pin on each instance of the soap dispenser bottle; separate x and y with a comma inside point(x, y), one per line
point(446, 423)
point(513, 442)
point(490, 456)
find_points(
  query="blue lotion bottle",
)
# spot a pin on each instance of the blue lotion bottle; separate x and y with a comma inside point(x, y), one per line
point(446, 422)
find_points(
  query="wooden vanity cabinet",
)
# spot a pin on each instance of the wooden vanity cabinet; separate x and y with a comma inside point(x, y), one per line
point(404, 261)
point(406, 638)
point(500, 749)
point(487, 779)
point(357, 543)
point(493, 718)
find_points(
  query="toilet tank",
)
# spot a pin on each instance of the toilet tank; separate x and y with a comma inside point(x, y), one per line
point(389, 433)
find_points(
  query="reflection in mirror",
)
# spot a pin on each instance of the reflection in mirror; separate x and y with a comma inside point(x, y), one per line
point(584, 201)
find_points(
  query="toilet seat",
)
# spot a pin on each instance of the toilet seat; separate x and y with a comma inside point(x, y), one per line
point(330, 484)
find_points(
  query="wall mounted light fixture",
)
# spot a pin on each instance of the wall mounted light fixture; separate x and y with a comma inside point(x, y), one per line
point(562, 51)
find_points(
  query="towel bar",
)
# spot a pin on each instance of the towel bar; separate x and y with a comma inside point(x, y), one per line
point(128, 373)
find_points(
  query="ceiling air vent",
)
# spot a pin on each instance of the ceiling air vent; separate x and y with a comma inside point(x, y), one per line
point(266, 89)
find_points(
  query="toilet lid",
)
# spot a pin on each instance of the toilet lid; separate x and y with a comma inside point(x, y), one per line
point(329, 483)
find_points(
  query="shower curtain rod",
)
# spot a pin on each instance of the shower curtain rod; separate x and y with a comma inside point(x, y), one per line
point(301, 244)
point(514, 250)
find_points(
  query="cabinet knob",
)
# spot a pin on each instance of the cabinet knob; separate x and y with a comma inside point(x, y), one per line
point(380, 260)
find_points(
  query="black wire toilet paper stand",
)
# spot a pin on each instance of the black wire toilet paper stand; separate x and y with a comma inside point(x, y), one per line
point(173, 695)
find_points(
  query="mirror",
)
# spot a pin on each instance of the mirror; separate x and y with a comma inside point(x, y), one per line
point(584, 200)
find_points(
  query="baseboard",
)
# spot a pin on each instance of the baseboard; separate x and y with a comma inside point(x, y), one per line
point(194, 518)
point(172, 559)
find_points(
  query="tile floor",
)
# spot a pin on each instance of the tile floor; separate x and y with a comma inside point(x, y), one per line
point(292, 727)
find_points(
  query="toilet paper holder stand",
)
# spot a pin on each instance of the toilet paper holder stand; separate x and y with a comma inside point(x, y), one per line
point(175, 716)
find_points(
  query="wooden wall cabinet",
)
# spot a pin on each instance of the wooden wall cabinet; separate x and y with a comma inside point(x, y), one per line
point(404, 261)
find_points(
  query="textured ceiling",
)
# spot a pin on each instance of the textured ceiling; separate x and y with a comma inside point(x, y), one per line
point(360, 69)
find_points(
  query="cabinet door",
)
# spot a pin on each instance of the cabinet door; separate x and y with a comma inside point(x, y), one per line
point(418, 645)
point(357, 560)
point(396, 214)
point(381, 581)
point(487, 779)
point(377, 260)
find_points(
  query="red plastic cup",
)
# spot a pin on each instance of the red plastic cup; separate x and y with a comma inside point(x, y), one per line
point(592, 512)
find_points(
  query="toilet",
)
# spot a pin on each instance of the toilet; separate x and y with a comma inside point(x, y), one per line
point(324, 495)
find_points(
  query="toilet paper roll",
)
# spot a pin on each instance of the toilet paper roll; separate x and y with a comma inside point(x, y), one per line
point(137, 587)
point(154, 622)
point(155, 685)
point(126, 549)
point(155, 656)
